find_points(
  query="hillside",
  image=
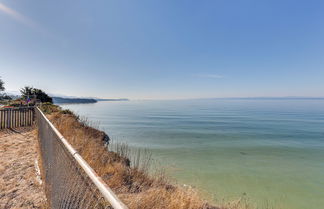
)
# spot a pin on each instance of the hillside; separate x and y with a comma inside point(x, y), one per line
point(61, 100)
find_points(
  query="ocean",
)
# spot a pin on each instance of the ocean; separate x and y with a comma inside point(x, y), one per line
point(269, 152)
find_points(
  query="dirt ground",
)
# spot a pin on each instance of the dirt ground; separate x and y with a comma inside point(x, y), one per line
point(20, 186)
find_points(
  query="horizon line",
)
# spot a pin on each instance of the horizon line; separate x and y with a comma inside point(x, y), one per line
point(16, 93)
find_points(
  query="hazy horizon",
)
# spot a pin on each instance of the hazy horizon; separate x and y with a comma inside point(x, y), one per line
point(190, 98)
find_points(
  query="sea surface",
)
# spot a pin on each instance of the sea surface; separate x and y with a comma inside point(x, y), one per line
point(269, 151)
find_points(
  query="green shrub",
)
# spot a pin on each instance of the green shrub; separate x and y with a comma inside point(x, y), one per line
point(49, 108)
point(67, 112)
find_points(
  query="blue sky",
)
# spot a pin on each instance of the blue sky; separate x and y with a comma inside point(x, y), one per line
point(164, 49)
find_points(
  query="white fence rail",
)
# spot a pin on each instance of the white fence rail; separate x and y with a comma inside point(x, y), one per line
point(69, 181)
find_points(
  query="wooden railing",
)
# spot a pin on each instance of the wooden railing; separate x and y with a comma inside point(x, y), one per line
point(16, 117)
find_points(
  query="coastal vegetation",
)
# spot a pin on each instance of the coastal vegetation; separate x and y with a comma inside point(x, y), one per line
point(131, 181)
point(29, 93)
point(2, 88)
point(29, 96)
point(3, 96)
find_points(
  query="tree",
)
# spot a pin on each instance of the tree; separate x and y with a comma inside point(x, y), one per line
point(30, 92)
point(42, 96)
point(27, 91)
point(2, 88)
point(3, 96)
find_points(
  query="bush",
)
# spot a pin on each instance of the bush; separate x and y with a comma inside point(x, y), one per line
point(67, 112)
point(49, 108)
point(38, 94)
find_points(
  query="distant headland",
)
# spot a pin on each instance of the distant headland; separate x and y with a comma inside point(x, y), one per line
point(62, 100)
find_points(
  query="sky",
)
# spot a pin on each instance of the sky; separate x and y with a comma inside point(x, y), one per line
point(170, 49)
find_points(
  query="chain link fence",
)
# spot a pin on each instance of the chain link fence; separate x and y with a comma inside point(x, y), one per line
point(69, 180)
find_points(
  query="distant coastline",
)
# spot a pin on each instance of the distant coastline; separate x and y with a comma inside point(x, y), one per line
point(122, 99)
point(62, 100)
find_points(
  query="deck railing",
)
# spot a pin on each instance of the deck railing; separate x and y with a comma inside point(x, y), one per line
point(16, 117)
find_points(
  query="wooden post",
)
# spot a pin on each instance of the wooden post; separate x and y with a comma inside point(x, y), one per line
point(1, 119)
point(16, 118)
point(4, 119)
point(8, 120)
point(7, 114)
point(24, 117)
point(29, 117)
point(21, 117)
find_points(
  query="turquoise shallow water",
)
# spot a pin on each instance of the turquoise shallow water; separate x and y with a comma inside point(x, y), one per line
point(270, 151)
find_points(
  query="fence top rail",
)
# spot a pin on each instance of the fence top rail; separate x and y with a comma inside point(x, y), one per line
point(15, 108)
point(106, 192)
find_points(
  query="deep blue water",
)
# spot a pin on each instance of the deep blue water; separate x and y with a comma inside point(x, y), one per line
point(269, 151)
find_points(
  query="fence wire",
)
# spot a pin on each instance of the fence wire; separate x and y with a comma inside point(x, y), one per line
point(67, 185)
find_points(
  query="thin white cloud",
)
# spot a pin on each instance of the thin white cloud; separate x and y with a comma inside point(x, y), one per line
point(22, 19)
point(17, 16)
point(216, 76)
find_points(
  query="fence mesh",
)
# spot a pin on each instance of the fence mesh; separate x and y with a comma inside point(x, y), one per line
point(66, 183)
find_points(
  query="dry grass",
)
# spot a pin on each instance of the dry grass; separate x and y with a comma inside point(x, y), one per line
point(130, 181)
